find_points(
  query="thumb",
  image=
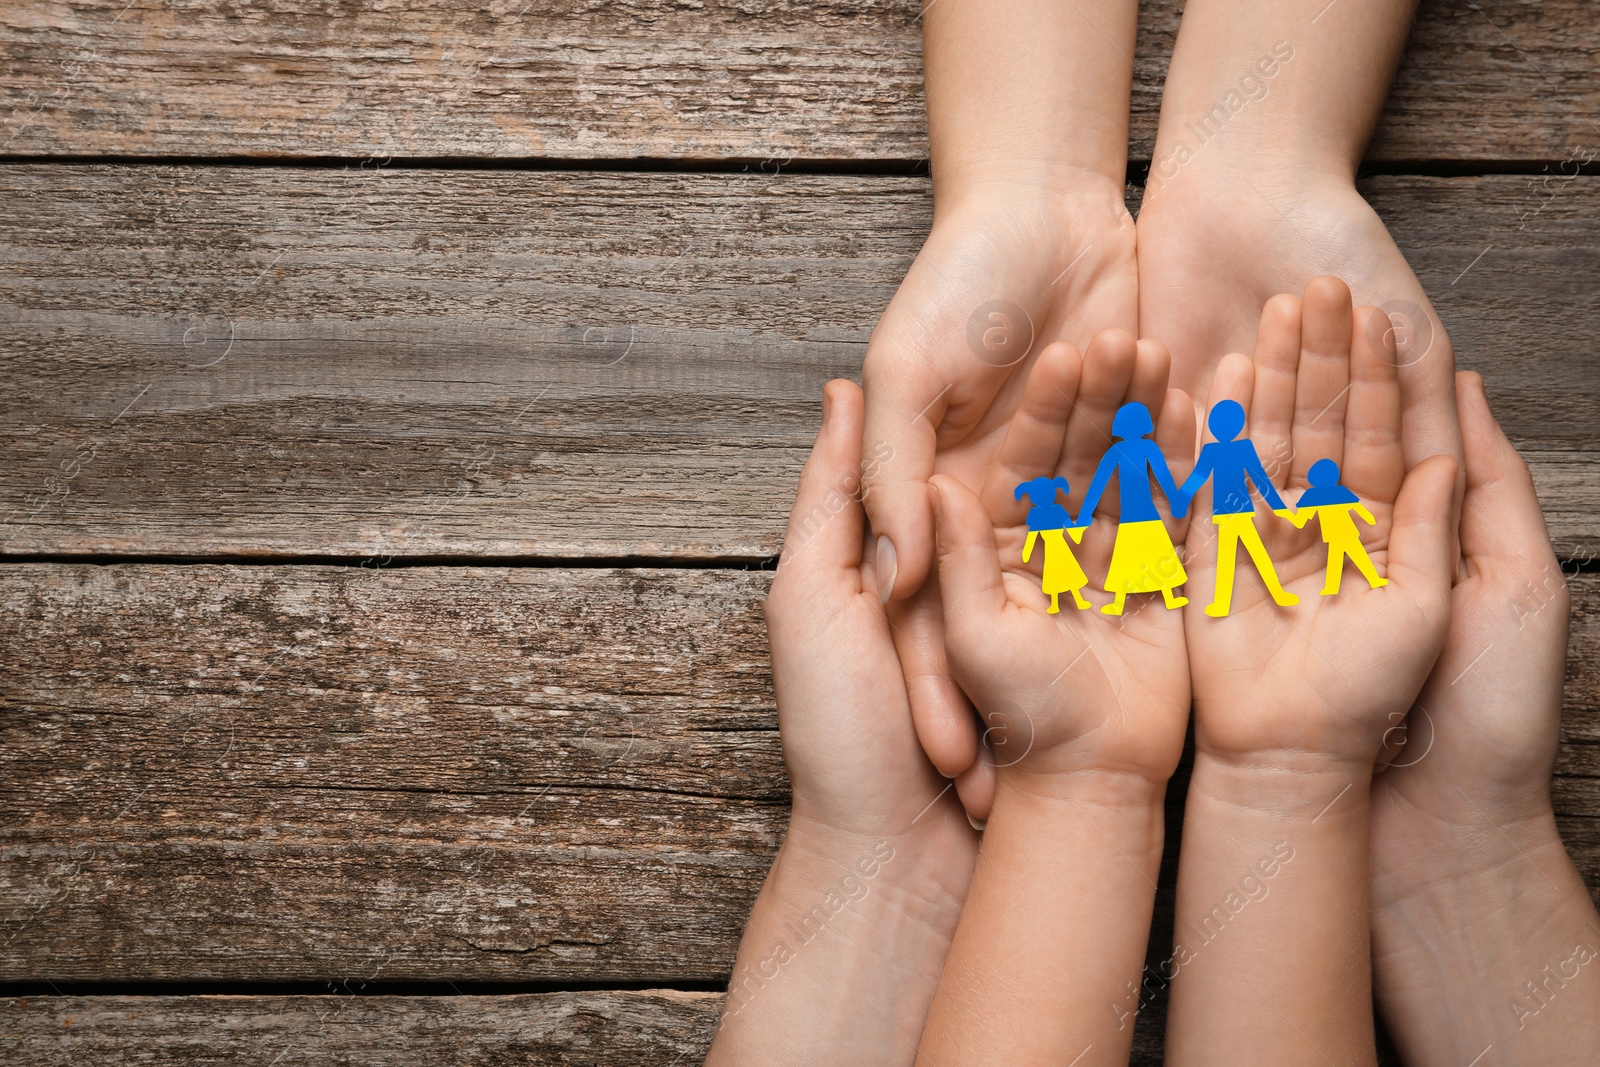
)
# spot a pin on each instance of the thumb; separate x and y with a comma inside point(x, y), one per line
point(970, 583)
point(1500, 518)
point(900, 441)
point(1422, 534)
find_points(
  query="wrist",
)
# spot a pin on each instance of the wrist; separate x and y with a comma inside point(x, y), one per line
point(1285, 783)
point(972, 191)
point(843, 948)
point(1126, 807)
point(920, 873)
point(1272, 906)
point(1474, 857)
point(1248, 171)
point(1468, 921)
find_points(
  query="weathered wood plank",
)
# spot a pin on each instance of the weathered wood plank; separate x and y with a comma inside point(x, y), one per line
point(655, 1028)
point(815, 80)
point(509, 774)
point(312, 774)
point(355, 363)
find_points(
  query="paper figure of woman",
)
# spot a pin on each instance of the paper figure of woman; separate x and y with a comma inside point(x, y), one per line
point(1143, 560)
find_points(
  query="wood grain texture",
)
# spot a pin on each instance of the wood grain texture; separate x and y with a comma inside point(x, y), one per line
point(325, 773)
point(655, 1028)
point(741, 79)
point(511, 774)
point(368, 363)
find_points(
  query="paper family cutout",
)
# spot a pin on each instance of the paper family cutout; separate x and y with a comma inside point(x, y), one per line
point(1144, 559)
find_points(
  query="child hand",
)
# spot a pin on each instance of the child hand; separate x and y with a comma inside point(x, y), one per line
point(1087, 711)
point(1327, 677)
point(1472, 891)
point(1294, 690)
point(1072, 690)
point(843, 949)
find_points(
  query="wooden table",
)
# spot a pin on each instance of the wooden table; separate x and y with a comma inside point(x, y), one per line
point(402, 404)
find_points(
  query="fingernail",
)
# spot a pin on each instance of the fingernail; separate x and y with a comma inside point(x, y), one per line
point(976, 824)
point(827, 406)
point(888, 569)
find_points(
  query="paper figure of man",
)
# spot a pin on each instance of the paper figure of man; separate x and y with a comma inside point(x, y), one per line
point(1233, 465)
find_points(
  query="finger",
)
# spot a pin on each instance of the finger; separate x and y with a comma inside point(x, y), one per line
point(1032, 445)
point(970, 584)
point(1235, 379)
point(1175, 432)
point(975, 786)
point(1175, 429)
point(825, 525)
point(1426, 362)
point(1422, 535)
point(1374, 460)
point(903, 410)
point(1322, 386)
point(1273, 402)
point(1152, 368)
point(1107, 373)
point(940, 711)
point(1500, 518)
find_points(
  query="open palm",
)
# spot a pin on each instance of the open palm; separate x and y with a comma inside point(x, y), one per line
point(1215, 247)
point(1075, 689)
point(1322, 676)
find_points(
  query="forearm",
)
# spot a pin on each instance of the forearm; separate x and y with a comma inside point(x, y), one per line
point(842, 951)
point(1487, 939)
point(1263, 83)
point(1027, 92)
point(1270, 943)
point(1055, 926)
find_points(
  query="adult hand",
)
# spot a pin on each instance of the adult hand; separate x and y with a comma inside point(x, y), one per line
point(1473, 893)
point(1267, 109)
point(844, 946)
point(994, 285)
point(1031, 243)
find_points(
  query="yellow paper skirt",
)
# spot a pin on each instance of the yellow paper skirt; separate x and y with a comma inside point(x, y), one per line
point(1143, 560)
point(1062, 574)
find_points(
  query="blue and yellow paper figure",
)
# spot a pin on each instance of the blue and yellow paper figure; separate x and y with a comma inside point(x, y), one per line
point(1335, 508)
point(1047, 522)
point(1143, 560)
point(1234, 465)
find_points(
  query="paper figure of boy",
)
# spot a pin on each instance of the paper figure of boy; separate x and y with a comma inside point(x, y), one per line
point(1143, 559)
point(1233, 465)
point(1047, 521)
point(1335, 508)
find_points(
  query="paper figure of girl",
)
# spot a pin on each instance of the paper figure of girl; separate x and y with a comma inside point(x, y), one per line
point(1047, 522)
point(1143, 559)
point(1233, 465)
point(1335, 507)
